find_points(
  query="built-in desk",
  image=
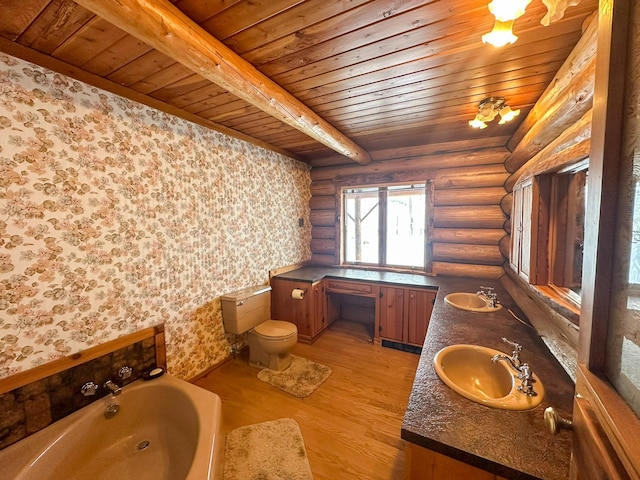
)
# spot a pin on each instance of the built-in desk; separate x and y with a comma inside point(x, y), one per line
point(399, 304)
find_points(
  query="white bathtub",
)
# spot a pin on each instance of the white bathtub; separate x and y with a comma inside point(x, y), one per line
point(165, 429)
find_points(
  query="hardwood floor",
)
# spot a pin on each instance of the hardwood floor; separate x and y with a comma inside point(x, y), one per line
point(351, 423)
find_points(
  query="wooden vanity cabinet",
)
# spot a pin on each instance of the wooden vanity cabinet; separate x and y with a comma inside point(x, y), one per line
point(424, 464)
point(391, 314)
point(308, 314)
point(420, 303)
point(401, 314)
point(404, 314)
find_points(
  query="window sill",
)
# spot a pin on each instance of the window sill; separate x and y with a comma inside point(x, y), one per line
point(388, 269)
point(558, 302)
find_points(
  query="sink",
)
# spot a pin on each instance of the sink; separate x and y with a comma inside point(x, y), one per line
point(471, 302)
point(469, 371)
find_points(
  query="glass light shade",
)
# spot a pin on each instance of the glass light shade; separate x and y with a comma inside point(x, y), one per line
point(505, 10)
point(477, 123)
point(501, 34)
point(506, 114)
point(487, 112)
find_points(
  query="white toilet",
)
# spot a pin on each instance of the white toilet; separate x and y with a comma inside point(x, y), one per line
point(270, 341)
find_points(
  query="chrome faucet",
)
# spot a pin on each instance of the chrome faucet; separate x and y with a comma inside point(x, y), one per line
point(524, 371)
point(490, 294)
point(113, 388)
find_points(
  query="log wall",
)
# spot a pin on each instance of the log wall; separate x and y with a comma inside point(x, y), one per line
point(468, 222)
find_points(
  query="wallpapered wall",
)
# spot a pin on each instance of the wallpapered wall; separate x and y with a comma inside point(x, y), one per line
point(115, 216)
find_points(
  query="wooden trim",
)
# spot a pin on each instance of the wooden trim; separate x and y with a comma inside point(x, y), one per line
point(606, 141)
point(164, 27)
point(429, 226)
point(46, 61)
point(21, 379)
point(615, 416)
point(161, 347)
point(287, 268)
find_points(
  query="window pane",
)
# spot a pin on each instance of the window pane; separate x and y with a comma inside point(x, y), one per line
point(361, 226)
point(405, 239)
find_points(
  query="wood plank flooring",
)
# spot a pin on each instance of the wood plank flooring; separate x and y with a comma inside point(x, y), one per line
point(351, 423)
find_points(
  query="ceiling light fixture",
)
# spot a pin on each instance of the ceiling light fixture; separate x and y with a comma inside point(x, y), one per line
point(507, 11)
point(501, 34)
point(489, 108)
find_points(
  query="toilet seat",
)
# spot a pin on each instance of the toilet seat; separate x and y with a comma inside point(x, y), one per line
point(275, 330)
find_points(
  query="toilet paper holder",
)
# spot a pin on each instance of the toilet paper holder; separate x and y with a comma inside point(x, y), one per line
point(298, 293)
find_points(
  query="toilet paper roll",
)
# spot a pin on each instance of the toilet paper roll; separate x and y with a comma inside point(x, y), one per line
point(297, 294)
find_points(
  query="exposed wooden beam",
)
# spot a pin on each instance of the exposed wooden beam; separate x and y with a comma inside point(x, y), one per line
point(165, 28)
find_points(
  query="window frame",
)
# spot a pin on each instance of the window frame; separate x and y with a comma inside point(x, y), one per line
point(546, 229)
point(426, 268)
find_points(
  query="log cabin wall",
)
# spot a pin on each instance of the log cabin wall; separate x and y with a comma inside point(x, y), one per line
point(467, 219)
point(555, 134)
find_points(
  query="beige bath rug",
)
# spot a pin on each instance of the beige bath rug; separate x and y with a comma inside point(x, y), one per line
point(300, 378)
point(267, 451)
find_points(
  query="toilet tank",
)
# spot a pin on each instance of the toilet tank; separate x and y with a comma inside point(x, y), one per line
point(244, 309)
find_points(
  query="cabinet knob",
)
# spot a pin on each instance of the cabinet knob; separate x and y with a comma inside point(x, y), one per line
point(555, 422)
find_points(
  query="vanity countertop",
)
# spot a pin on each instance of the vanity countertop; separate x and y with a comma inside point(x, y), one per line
point(316, 273)
point(511, 444)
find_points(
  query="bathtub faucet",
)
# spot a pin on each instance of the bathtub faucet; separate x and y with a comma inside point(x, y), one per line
point(113, 388)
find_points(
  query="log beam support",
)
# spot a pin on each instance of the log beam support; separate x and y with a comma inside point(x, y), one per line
point(162, 26)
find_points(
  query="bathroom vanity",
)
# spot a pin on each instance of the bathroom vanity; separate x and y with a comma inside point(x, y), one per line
point(399, 304)
point(447, 436)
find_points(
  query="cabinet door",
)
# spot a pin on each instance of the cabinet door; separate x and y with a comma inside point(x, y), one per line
point(391, 313)
point(283, 307)
point(319, 308)
point(420, 308)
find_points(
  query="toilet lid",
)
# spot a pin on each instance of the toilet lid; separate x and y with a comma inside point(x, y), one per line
point(276, 328)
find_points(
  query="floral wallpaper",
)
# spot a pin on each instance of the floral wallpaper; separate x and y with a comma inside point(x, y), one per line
point(115, 216)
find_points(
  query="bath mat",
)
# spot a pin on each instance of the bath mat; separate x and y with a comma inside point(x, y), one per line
point(300, 378)
point(267, 451)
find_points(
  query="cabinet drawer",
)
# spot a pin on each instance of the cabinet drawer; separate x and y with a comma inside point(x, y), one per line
point(353, 288)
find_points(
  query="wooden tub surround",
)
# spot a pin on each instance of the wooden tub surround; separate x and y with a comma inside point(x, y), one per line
point(447, 435)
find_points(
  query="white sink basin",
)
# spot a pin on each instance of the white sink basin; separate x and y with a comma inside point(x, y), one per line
point(471, 302)
point(469, 371)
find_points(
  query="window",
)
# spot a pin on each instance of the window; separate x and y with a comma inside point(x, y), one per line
point(548, 232)
point(566, 231)
point(385, 226)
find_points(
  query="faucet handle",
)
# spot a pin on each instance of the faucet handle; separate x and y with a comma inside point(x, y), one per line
point(489, 290)
point(89, 389)
point(516, 346)
point(125, 372)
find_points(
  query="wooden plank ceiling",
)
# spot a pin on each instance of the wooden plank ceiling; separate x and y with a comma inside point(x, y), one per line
point(388, 74)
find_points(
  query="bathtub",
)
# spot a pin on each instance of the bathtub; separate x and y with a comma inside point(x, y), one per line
point(165, 429)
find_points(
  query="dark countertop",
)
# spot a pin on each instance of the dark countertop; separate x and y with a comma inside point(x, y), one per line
point(512, 444)
point(314, 274)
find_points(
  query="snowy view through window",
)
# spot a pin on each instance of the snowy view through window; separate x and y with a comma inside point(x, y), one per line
point(400, 230)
